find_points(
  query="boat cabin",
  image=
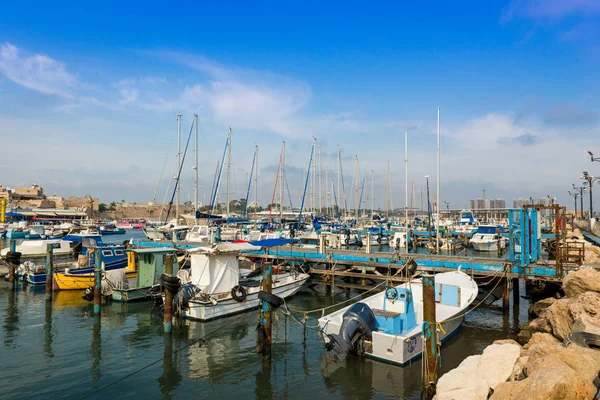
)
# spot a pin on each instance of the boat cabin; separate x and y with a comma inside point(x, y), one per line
point(150, 264)
point(397, 315)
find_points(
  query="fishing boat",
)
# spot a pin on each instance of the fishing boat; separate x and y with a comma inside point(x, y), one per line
point(467, 225)
point(81, 279)
point(215, 289)
point(488, 238)
point(149, 264)
point(131, 223)
point(111, 229)
point(387, 325)
point(38, 248)
point(16, 233)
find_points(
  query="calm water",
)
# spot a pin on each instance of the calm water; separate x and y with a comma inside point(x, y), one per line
point(55, 349)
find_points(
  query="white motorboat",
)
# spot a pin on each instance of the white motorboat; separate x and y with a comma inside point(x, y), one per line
point(398, 241)
point(387, 325)
point(200, 234)
point(215, 289)
point(37, 248)
point(488, 238)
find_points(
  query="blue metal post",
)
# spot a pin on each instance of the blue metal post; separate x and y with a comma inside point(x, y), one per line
point(511, 235)
point(522, 237)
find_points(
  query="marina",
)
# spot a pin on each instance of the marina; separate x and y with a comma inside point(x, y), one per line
point(378, 200)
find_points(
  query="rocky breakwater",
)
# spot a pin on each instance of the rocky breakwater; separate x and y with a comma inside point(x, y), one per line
point(557, 355)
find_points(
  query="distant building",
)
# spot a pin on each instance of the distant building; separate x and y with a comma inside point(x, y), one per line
point(498, 203)
point(33, 192)
point(520, 202)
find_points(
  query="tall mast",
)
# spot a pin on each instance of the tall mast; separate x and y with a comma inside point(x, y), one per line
point(326, 190)
point(178, 166)
point(387, 191)
point(437, 208)
point(281, 184)
point(228, 172)
point(256, 182)
point(338, 183)
point(320, 179)
point(196, 168)
point(372, 193)
point(356, 191)
point(406, 187)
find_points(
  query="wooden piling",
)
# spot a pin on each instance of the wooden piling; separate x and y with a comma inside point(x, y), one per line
point(49, 270)
point(515, 290)
point(12, 267)
point(430, 333)
point(97, 281)
point(168, 315)
point(505, 293)
point(263, 344)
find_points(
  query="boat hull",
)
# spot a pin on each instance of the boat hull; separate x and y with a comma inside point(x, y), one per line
point(206, 311)
point(82, 280)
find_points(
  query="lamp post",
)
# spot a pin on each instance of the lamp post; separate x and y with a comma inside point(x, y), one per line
point(580, 189)
point(589, 180)
point(575, 195)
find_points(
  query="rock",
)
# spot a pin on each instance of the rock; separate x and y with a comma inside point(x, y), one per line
point(587, 323)
point(476, 375)
point(536, 308)
point(583, 280)
point(540, 337)
point(555, 381)
point(560, 318)
point(518, 370)
point(586, 362)
point(506, 341)
point(536, 325)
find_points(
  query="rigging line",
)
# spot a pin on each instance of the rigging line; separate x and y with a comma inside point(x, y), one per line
point(161, 359)
point(179, 174)
point(163, 168)
point(288, 190)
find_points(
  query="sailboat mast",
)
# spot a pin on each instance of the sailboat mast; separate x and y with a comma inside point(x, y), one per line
point(356, 191)
point(178, 166)
point(437, 208)
point(320, 179)
point(196, 168)
point(387, 191)
point(228, 172)
point(406, 188)
point(326, 190)
point(372, 194)
point(338, 182)
point(281, 184)
point(256, 183)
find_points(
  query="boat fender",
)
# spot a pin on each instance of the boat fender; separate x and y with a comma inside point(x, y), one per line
point(412, 266)
point(274, 300)
point(583, 339)
point(347, 240)
point(239, 293)
point(13, 257)
point(171, 283)
point(378, 239)
point(391, 293)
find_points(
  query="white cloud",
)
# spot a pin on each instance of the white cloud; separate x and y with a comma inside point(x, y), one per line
point(37, 72)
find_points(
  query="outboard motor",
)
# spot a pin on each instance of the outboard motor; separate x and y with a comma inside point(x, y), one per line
point(358, 323)
point(185, 294)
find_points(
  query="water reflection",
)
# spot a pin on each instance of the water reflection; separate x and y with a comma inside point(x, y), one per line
point(11, 320)
point(95, 371)
point(171, 376)
point(48, 335)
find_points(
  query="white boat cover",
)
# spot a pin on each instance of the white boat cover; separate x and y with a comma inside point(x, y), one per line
point(215, 273)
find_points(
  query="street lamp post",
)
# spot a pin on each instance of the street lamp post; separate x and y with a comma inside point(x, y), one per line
point(575, 195)
point(580, 189)
point(589, 179)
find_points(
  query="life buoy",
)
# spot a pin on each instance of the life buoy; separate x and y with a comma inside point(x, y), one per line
point(239, 293)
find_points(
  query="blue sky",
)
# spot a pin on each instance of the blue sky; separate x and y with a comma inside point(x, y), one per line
point(89, 94)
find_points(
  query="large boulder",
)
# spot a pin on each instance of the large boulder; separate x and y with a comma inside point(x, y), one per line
point(587, 323)
point(477, 375)
point(560, 318)
point(536, 325)
point(581, 281)
point(536, 309)
point(540, 337)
